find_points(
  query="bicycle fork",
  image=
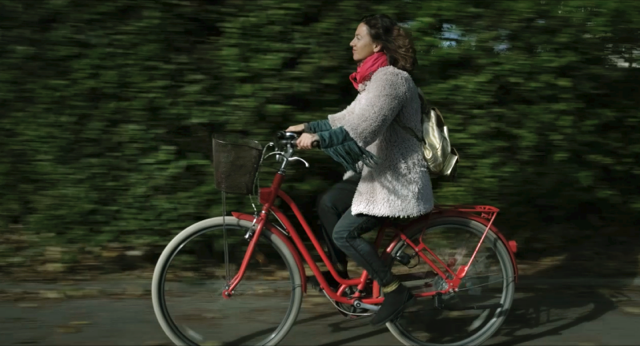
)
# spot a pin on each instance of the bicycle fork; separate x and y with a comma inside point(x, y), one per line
point(253, 238)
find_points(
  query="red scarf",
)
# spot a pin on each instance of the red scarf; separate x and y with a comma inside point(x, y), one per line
point(367, 67)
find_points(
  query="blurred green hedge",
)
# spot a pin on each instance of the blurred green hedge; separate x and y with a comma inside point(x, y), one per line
point(106, 105)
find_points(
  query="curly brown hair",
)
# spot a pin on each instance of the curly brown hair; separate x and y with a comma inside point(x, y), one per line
point(395, 41)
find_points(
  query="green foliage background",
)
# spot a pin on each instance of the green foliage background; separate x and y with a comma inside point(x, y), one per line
point(105, 106)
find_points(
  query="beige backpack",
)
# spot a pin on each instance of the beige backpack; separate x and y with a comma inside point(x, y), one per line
point(436, 146)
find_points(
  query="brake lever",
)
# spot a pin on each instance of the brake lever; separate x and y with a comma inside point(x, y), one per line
point(295, 158)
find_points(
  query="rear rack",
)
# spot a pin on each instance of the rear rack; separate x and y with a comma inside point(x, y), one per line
point(485, 211)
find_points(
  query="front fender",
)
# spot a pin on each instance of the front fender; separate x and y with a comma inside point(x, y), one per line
point(285, 240)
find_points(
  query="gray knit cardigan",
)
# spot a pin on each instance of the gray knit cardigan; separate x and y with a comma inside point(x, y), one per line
point(395, 181)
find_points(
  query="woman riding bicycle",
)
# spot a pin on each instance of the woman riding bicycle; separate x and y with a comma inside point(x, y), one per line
point(387, 176)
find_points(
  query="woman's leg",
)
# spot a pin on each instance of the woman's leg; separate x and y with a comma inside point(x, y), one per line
point(348, 237)
point(331, 206)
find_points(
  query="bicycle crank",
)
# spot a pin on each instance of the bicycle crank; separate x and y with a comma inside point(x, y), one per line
point(348, 310)
point(360, 305)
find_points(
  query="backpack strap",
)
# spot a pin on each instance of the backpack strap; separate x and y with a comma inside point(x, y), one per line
point(407, 129)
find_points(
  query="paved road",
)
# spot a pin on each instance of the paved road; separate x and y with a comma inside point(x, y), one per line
point(546, 315)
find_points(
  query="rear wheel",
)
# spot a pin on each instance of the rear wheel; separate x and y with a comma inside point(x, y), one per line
point(190, 276)
point(474, 313)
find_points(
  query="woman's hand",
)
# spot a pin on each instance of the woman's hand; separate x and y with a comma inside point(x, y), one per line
point(305, 141)
point(296, 128)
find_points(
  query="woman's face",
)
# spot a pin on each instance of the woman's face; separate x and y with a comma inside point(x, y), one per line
point(362, 45)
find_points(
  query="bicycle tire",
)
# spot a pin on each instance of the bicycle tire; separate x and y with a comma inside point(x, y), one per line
point(159, 275)
point(505, 262)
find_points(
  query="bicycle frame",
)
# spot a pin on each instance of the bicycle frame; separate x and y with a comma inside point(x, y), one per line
point(268, 197)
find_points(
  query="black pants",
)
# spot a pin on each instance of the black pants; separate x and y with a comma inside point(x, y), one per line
point(343, 231)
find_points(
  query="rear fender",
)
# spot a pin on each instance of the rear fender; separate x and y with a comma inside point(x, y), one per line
point(285, 240)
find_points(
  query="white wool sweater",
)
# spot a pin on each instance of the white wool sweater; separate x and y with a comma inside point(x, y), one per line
point(399, 185)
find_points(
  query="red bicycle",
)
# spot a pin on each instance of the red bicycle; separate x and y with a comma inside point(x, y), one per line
point(461, 289)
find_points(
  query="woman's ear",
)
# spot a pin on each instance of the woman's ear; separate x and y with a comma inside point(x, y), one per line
point(377, 47)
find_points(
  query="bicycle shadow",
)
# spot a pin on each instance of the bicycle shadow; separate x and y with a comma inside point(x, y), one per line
point(265, 332)
point(598, 263)
point(358, 337)
point(550, 312)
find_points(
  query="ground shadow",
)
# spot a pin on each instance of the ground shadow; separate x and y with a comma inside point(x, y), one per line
point(265, 332)
point(551, 311)
point(596, 261)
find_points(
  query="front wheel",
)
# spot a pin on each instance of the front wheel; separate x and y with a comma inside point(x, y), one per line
point(474, 313)
point(190, 276)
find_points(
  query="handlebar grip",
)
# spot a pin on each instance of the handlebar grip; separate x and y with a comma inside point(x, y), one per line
point(286, 138)
point(315, 144)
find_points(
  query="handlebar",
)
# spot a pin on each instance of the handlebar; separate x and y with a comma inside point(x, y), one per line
point(285, 143)
point(286, 139)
